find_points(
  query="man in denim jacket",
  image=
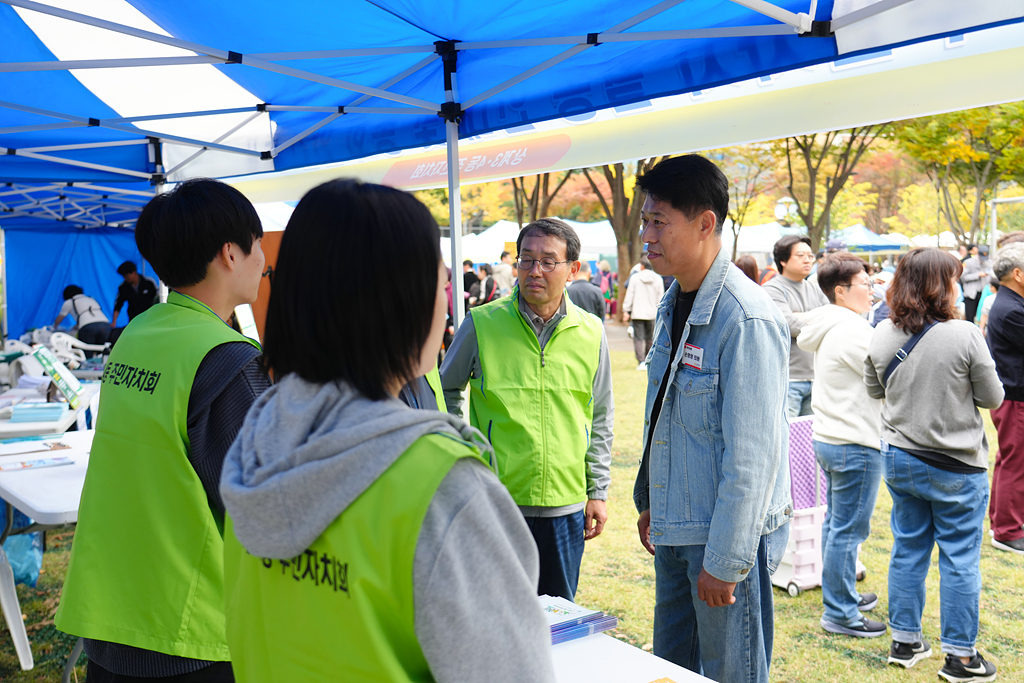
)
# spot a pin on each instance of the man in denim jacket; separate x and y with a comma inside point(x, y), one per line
point(713, 487)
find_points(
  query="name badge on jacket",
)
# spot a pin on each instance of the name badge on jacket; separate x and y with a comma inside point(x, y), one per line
point(693, 356)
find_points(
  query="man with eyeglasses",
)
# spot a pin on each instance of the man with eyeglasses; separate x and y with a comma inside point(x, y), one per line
point(795, 295)
point(541, 391)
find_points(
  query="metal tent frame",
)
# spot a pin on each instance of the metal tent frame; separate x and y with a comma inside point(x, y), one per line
point(73, 203)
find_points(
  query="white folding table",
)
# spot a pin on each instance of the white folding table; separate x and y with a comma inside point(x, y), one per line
point(50, 496)
point(9, 430)
point(602, 659)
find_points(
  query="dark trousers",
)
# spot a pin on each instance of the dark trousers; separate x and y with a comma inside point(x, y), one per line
point(971, 308)
point(219, 672)
point(560, 546)
point(1006, 506)
point(94, 333)
point(643, 337)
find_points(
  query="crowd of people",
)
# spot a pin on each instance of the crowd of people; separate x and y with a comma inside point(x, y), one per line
point(338, 478)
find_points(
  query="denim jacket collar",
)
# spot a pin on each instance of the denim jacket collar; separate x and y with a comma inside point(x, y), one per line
point(707, 294)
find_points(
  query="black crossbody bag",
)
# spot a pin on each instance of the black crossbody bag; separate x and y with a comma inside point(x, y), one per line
point(904, 351)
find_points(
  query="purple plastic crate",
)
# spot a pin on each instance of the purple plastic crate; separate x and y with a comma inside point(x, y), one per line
point(803, 468)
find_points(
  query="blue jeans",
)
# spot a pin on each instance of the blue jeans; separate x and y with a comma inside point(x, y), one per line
point(798, 398)
point(853, 473)
point(731, 643)
point(932, 506)
point(560, 546)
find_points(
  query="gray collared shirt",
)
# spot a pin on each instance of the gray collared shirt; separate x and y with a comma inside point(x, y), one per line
point(463, 361)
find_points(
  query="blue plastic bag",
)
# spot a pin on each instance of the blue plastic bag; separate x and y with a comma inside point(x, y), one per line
point(24, 551)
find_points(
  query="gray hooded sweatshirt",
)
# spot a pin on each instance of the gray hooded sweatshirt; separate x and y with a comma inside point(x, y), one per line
point(307, 451)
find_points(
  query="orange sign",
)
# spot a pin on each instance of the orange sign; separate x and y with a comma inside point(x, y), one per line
point(493, 160)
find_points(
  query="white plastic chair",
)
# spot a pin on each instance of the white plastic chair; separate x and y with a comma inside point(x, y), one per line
point(71, 351)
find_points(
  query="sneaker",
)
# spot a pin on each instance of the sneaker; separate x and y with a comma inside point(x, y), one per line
point(629, 331)
point(642, 367)
point(977, 669)
point(866, 629)
point(909, 654)
point(868, 602)
point(1016, 546)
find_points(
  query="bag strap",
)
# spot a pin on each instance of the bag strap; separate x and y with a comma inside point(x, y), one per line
point(904, 351)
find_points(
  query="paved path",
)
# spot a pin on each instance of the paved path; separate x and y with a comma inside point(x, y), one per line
point(618, 338)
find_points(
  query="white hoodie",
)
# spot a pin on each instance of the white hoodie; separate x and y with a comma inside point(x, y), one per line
point(644, 294)
point(843, 411)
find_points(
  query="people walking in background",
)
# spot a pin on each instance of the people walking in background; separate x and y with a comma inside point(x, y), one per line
point(748, 264)
point(484, 290)
point(795, 296)
point(504, 274)
point(986, 305)
point(607, 286)
point(935, 457)
point(585, 293)
point(847, 433)
point(469, 278)
point(713, 488)
point(138, 291)
point(643, 296)
point(973, 281)
point(541, 391)
point(1005, 336)
point(91, 322)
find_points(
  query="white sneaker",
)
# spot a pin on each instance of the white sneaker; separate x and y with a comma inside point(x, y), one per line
point(642, 367)
point(629, 331)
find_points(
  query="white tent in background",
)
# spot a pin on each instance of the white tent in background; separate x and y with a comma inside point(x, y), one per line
point(274, 215)
point(946, 240)
point(758, 239)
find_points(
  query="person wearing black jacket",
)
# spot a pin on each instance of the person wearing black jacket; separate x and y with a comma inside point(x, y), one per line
point(138, 291)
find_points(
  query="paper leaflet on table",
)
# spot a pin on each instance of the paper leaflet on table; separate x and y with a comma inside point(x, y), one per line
point(62, 377)
point(22, 448)
point(37, 464)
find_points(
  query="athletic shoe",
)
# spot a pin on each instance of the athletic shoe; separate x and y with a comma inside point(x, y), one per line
point(866, 629)
point(868, 602)
point(909, 654)
point(641, 367)
point(1016, 546)
point(977, 669)
point(629, 331)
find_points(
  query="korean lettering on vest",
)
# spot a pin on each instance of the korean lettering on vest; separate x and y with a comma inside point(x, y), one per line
point(322, 569)
point(130, 377)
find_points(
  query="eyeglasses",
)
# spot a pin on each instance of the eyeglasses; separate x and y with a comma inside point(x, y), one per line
point(806, 256)
point(546, 264)
point(858, 284)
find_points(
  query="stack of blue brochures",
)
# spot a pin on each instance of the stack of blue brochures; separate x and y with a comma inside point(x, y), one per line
point(569, 621)
point(38, 412)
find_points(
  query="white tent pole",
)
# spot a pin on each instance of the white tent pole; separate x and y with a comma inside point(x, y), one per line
point(3, 255)
point(41, 126)
point(451, 129)
point(866, 12)
point(335, 54)
point(309, 131)
point(571, 52)
point(800, 21)
point(72, 162)
point(65, 65)
point(400, 77)
point(225, 136)
point(184, 114)
point(992, 229)
point(85, 145)
point(637, 36)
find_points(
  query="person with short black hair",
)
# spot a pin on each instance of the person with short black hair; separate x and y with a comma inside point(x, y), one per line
point(1005, 337)
point(144, 585)
point(935, 457)
point(585, 293)
point(504, 274)
point(469, 278)
point(973, 281)
point(91, 322)
point(485, 289)
point(138, 291)
point(713, 489)
point(366, 540)
point(847, 434)
point(541, 390)
point(795, 296)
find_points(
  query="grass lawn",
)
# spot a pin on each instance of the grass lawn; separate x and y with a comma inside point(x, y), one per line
point(618, 577)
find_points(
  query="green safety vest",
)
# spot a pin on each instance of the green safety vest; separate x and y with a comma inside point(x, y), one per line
point(536, 407)
point(434, 380)
point(146, 566)
point(343, 609)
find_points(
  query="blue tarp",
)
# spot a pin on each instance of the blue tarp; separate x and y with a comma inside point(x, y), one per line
point(41, 261)
point(860, 238)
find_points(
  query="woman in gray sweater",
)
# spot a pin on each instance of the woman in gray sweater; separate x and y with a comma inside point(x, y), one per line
point(935, 458)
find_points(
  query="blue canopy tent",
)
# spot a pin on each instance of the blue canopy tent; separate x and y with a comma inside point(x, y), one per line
point(860, 238)
point(324, 83)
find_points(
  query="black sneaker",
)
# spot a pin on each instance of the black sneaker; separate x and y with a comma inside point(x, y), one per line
point(1016, 546)
point(866, 629)
point(909, 654)
point(977, 669)
point(868, 602)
